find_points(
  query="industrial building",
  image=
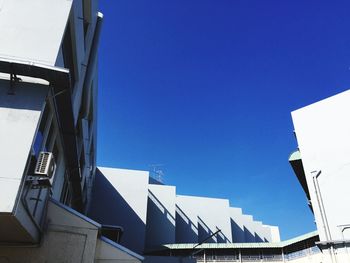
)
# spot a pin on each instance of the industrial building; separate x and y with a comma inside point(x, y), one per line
point(152, 214)
point(48, 102)
point(321, 164)
point(57, 206)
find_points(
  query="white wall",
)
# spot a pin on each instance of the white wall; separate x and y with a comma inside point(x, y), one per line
point(275, 233)
point(160, 228)
point(249, 228)
point(120, 198)
point(245, 229)
point(261, 234)
point(69, 237)
point(323, 134)
point(209, 213)
point(32, 30)
point(19, 118)
point(186, 222)
point(237, 225)
point(108, 251)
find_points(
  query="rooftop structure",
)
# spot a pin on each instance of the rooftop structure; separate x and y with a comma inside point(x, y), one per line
point(57, 206)
point(321, 164)
point(48, 102)
point(152, 214)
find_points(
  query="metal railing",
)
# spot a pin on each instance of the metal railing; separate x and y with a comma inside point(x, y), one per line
point(259, 258)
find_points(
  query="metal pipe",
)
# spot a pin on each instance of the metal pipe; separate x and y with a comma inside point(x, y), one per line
point(323, 214)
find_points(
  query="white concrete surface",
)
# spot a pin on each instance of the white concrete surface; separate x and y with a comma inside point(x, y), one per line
point(275, 233)
point(211, 214)
point(237, 225)
point(70, 237)
point(120, 198)
point(108, 251)
point(322, 131)
point(249, 228)
point(19, 118)
point(160, 227)
point(132, 185)
point(32, 30)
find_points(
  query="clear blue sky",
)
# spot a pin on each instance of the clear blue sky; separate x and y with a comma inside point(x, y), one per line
point(206, 88)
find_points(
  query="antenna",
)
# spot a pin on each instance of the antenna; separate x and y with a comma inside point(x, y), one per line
point(156, 172)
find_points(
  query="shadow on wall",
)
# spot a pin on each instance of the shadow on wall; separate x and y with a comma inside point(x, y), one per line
point(160, 228)
point(204, 232)
point(28, 96)
point(186, 231)
point(237, 233)
point(258, 238)
point(248, 236)
point(109, 207)
point(222, 238)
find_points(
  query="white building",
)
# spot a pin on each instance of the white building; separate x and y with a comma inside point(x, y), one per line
point(56, 206)
point(48, 88)
point(152, 214)
point(322, 165)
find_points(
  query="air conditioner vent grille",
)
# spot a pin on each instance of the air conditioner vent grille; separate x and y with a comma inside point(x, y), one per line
point(45, 165)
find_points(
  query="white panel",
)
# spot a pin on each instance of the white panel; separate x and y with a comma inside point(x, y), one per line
point(275, 234)
point(323, 133)
point(8, 192)
point(259, 231)
point(33, 30)
point(132, 185)
point(166, 196)
point(160, 228)
point(59, 214)
point(237, 225)
point(107, 250)
point(19, 117)
point(214, 213)
point(120, 198)
point(266, 233)
point(249, 229)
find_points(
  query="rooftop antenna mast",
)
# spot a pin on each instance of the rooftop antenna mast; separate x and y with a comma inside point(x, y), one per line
point(157, 172)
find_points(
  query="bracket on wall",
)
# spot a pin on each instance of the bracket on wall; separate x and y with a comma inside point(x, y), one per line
point(13, 80)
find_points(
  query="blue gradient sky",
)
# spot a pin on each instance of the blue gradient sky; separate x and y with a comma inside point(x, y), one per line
point(206, 88)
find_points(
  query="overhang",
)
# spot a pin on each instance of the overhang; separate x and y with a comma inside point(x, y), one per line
point(257, 245)
point(298, 168)
point(59, 81)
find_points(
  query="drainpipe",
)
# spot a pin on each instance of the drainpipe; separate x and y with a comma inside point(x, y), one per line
point(323, 213)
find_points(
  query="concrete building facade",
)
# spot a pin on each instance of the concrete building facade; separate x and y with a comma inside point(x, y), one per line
point(321, 164)
point(152, 214)
point(57, 206)
point(48, 102)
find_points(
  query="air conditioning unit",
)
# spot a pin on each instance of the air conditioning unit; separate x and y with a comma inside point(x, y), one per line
point(45, 165)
